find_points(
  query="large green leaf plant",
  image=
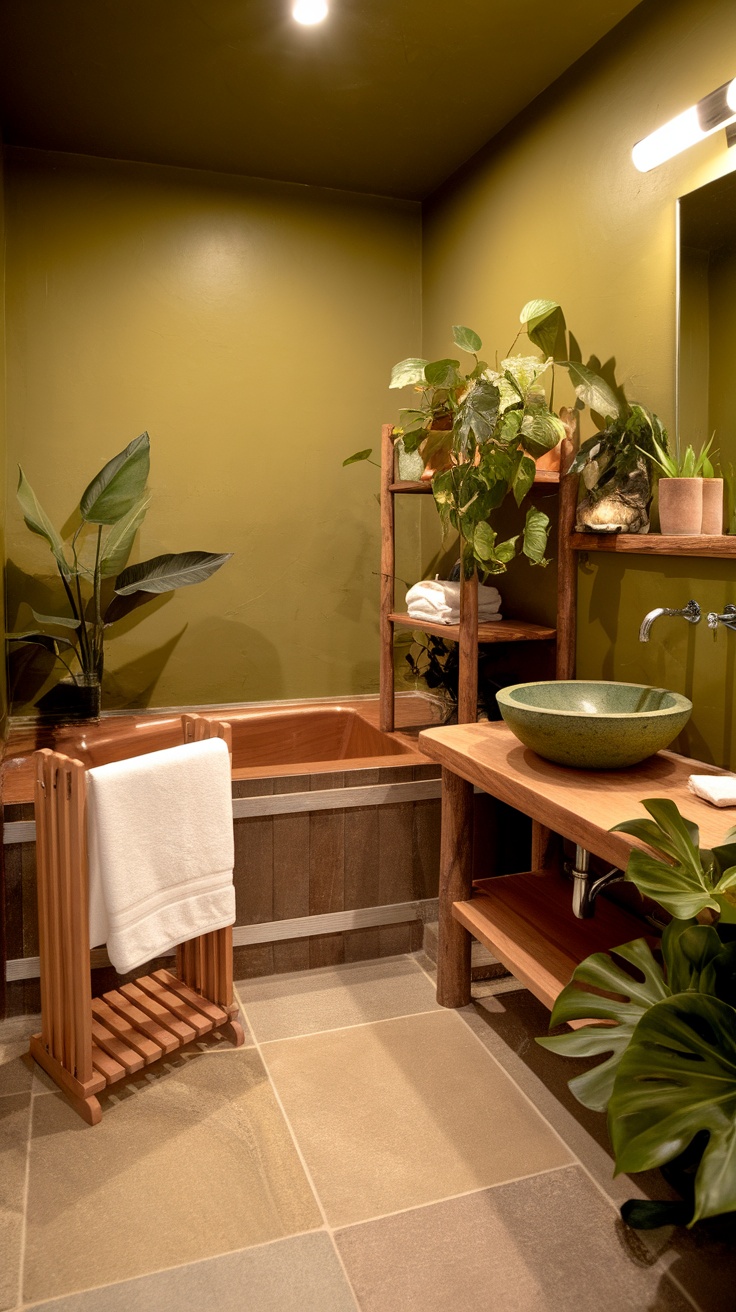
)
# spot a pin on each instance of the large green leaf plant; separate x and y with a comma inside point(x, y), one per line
point(481, 427)
point(111, 510)
point(668, 1081)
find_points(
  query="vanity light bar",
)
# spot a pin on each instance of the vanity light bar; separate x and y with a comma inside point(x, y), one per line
point(714, 111)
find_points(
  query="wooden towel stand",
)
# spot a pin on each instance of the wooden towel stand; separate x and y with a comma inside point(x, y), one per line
point(87, 1043)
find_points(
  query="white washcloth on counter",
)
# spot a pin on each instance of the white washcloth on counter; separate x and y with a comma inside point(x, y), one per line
point(439, 600)
point(161, 850)
point(719, 789)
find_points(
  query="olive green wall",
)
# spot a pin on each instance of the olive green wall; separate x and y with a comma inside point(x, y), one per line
point(250, 327)
point(555, 208)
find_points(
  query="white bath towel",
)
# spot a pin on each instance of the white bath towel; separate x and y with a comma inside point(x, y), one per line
point(719, 789)
point(161, 850)
point(418, 612)
point(443, 598)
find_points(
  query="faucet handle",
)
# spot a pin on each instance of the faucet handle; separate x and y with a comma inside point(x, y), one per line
point(727, 619)
point(691, 612)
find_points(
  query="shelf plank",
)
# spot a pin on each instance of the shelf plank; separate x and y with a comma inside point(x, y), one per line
point(527, 922)
point(425, 485)
point(656, 544)
point(497, 631)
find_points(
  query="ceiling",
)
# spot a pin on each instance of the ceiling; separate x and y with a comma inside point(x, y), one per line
point(386, 96)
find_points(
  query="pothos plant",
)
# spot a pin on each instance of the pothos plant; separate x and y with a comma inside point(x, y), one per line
point(481, 428)
point(98, 588)
point(668, 1082)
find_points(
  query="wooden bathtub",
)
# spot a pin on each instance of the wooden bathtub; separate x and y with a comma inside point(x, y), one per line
point(336, 833)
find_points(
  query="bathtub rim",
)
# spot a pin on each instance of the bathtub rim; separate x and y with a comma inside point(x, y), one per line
point(17, 773)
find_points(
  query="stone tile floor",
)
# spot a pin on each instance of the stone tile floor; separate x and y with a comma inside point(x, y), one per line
point(365, 1150)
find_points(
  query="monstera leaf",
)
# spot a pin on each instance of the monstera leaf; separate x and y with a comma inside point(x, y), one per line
point(579, 1001)
point(691, 877)
point(676, 1079)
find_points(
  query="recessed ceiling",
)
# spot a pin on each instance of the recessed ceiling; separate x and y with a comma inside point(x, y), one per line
point(385, 96)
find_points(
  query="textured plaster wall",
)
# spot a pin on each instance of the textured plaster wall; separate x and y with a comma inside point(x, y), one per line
point(555, 208)
point(250, 327)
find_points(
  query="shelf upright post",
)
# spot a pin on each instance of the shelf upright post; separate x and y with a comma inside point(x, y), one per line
point(567, 568)
point(467, 695)
point(388, 570)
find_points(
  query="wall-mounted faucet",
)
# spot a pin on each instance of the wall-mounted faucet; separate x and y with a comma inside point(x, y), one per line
point(727, 619)
point(691, 613)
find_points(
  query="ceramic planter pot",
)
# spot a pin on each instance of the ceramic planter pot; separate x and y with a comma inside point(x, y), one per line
point(680, 506)
point(712, 506)
point(409, 463)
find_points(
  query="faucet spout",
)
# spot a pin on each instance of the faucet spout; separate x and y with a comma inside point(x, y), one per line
point(691, 613)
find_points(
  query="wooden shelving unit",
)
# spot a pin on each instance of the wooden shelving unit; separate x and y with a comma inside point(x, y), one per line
point(469, 633)
point(656, 544)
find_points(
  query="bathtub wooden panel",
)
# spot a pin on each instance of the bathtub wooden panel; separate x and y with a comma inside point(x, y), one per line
point(326, 873)
point(291, 876)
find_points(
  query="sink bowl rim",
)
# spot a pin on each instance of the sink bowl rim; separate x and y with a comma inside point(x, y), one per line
point(680, 703)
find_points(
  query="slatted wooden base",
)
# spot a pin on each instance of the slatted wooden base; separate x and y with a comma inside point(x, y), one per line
point(134, 1026)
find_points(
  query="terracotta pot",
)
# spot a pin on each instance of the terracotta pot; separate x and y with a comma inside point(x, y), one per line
point(680, 506)
point(712, 506)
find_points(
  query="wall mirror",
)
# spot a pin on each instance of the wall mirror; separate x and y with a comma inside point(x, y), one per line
point(706, 357)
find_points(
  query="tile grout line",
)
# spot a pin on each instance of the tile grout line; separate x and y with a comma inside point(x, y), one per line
point(453, 1198)
point(164, 1270)
point(26, 1190)
point(359, 1025)
point(308, 1174)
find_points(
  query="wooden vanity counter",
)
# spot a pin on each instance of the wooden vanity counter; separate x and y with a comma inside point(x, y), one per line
point(527, 919)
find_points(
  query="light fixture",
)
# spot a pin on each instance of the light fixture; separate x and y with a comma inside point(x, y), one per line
point(715, 111)
point(309, 12)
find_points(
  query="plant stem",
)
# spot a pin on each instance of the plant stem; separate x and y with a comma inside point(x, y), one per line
point(98, 615)
point(84, 658)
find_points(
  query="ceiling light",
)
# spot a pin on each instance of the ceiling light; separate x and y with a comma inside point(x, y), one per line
point(309, 12)
point(714, 111)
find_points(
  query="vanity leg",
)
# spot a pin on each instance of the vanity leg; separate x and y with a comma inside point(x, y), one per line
point(456, 883)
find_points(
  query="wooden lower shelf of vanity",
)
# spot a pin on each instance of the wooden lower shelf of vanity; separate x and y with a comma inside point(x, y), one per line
point(527, 922)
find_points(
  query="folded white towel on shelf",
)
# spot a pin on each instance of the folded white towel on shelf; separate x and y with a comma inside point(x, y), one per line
point(161, 850)
point(719, 789)
point(442, 599)
point(430, 616)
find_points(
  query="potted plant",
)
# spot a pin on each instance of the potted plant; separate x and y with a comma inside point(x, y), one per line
point(98, 588)
point(613, 465)
point(669, 1080)
point(684, 508)
point(479, 430)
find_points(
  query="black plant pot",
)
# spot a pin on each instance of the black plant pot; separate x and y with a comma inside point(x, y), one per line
point(68, 701)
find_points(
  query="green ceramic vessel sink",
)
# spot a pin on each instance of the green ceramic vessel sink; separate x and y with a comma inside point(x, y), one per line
point(598, 725)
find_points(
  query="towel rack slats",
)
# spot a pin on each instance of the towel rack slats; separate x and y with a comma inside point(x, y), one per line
point(209, 1010)
point(174, 1004)
point(165, 1041)
point(123, 1030)
point(182, 1032)
point(85, 1045)
point(106, 1066)
point(129, 1060)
